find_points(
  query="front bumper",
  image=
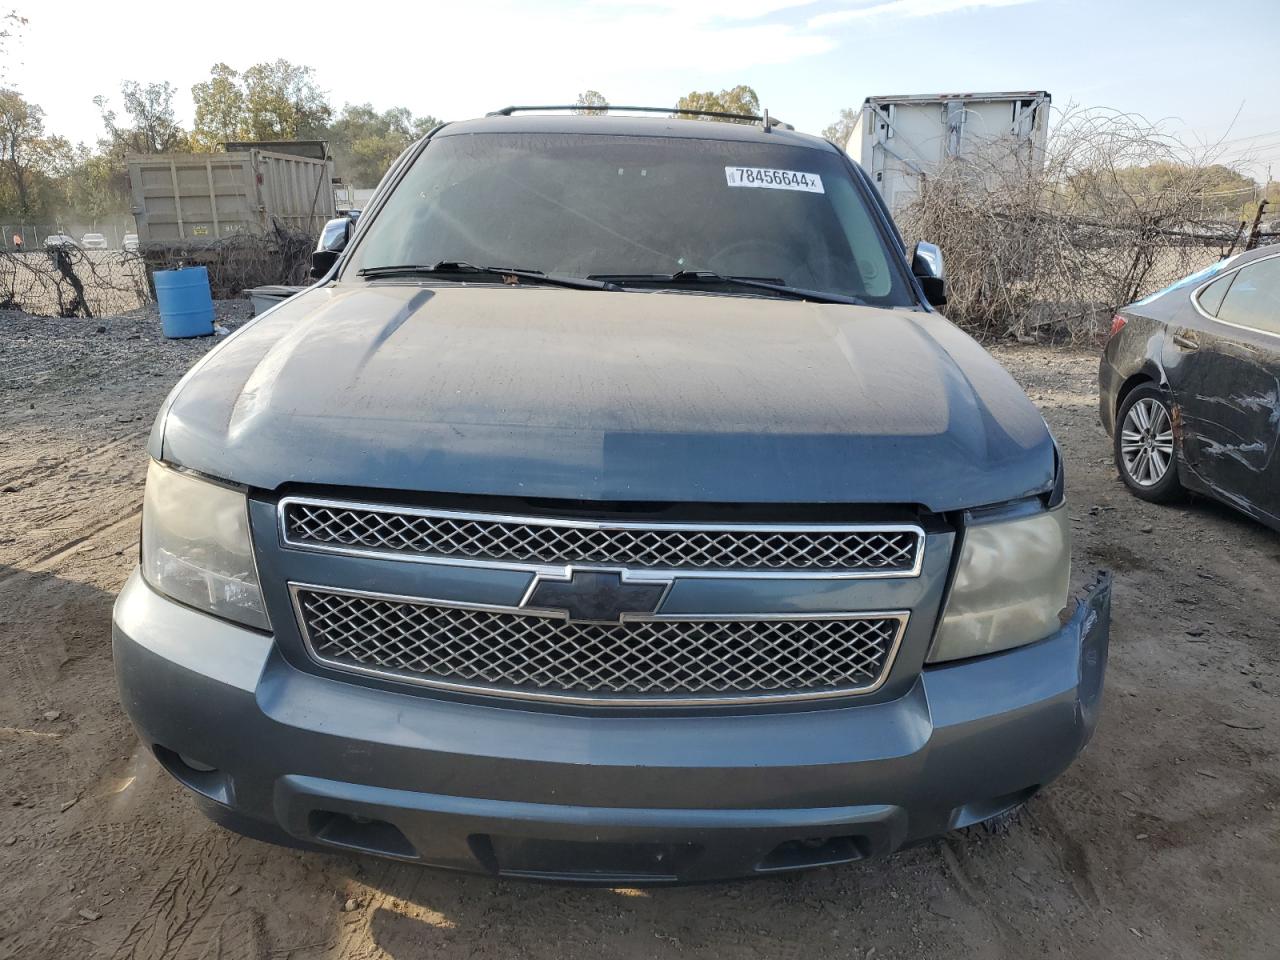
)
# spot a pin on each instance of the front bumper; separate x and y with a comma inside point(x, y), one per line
point(656, 797)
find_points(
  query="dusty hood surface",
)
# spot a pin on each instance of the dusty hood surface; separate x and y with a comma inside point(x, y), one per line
point(546, 392)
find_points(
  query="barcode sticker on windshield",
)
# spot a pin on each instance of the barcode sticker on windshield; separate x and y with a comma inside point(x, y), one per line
point(773, 179)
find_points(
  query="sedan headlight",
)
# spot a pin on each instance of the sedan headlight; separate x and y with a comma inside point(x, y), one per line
point(1010, 584)
point(196, 546)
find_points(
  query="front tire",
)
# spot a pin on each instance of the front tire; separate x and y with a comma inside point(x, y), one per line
point(1144, 447)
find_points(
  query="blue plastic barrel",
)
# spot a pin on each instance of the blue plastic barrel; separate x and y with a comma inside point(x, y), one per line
point(186, 306)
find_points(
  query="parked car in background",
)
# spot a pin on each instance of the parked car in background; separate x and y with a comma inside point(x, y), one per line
point(93, 241)
point(60, 241)
point(129, 244)
point(1189, 387)
point(615, 508)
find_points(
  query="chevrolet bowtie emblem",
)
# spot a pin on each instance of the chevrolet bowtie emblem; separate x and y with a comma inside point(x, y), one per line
point(596, 596)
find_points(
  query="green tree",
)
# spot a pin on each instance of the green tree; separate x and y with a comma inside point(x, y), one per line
point(739, 99)
point(366, 142)
point(592, 103)
point(220, 113)
point(424, 125)
point(153, 125)
point(282, 102)
point(93, 186)
point(30, 159)
point(98, 184)
point(840, 131)
point(278, 100)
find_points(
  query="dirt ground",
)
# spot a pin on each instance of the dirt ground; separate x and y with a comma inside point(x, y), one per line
point(1162, 841)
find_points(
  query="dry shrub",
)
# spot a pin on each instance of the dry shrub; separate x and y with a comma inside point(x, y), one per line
point(237, 263)
point(1052, 251)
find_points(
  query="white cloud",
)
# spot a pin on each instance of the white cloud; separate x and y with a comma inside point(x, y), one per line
point(701, 11)
point(905, 8)
point(445, 60)
point(439, 58)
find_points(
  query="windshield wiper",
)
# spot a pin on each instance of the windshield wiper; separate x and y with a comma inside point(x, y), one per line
point(697, 277)
point(445, 267)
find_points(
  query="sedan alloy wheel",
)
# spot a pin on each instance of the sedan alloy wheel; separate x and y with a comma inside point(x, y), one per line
point(1146, 442)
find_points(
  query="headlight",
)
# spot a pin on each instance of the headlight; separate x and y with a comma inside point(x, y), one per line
point(1010, 584)
point(196, 546)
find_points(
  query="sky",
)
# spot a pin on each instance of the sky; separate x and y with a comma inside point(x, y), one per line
point(1187, 63)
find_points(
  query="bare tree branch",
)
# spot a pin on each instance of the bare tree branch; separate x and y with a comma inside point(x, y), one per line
point(1118, 209)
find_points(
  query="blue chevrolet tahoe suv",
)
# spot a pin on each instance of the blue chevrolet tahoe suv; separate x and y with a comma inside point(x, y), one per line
point(614, 508)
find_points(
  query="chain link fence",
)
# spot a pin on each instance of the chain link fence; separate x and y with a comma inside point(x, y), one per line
point(70, 282)
point(67, 281)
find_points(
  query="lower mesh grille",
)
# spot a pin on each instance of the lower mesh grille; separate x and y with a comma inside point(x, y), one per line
point(667, 659)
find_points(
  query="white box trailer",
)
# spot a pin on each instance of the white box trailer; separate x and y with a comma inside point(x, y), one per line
point(206, 196)
point(901, 140)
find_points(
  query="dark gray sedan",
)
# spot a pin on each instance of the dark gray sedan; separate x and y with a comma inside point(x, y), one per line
point(1190, 387)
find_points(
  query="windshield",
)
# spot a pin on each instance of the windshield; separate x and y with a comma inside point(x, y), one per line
point(627, 206)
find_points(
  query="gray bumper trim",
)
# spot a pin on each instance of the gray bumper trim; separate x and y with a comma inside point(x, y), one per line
point(292, 746)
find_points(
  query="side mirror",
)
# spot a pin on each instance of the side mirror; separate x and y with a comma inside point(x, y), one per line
point(926, 265)
point(333, 240)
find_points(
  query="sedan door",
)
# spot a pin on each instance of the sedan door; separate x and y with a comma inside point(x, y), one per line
point(1223, 367)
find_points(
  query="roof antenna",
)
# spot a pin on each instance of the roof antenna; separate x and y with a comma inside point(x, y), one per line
point(767, 121)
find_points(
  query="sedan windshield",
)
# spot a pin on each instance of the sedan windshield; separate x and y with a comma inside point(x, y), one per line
point(638, 211)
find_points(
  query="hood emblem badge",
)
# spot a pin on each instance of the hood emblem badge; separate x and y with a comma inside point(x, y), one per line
point(595, 596)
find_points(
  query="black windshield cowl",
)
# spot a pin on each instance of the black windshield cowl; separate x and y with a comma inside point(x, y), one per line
point(446, 268)
point(691, 278)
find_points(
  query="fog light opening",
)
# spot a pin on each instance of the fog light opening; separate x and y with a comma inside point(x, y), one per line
point(195, 774)
point(358, 832)
point(813, 852)
point(992, 809)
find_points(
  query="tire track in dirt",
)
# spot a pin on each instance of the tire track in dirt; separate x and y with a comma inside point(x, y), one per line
point(60, 512)
point(170, 928)
point(241, 936)
point(52, 556)
point(32, 608)
point(45, 466)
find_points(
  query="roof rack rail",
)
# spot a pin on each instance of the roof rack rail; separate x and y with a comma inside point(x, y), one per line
point(765, 120)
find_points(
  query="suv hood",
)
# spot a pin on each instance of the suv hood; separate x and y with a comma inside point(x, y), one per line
point(545, 392)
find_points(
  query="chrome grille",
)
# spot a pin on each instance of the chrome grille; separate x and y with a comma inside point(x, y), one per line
point(868, 549)
point(671, 660)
